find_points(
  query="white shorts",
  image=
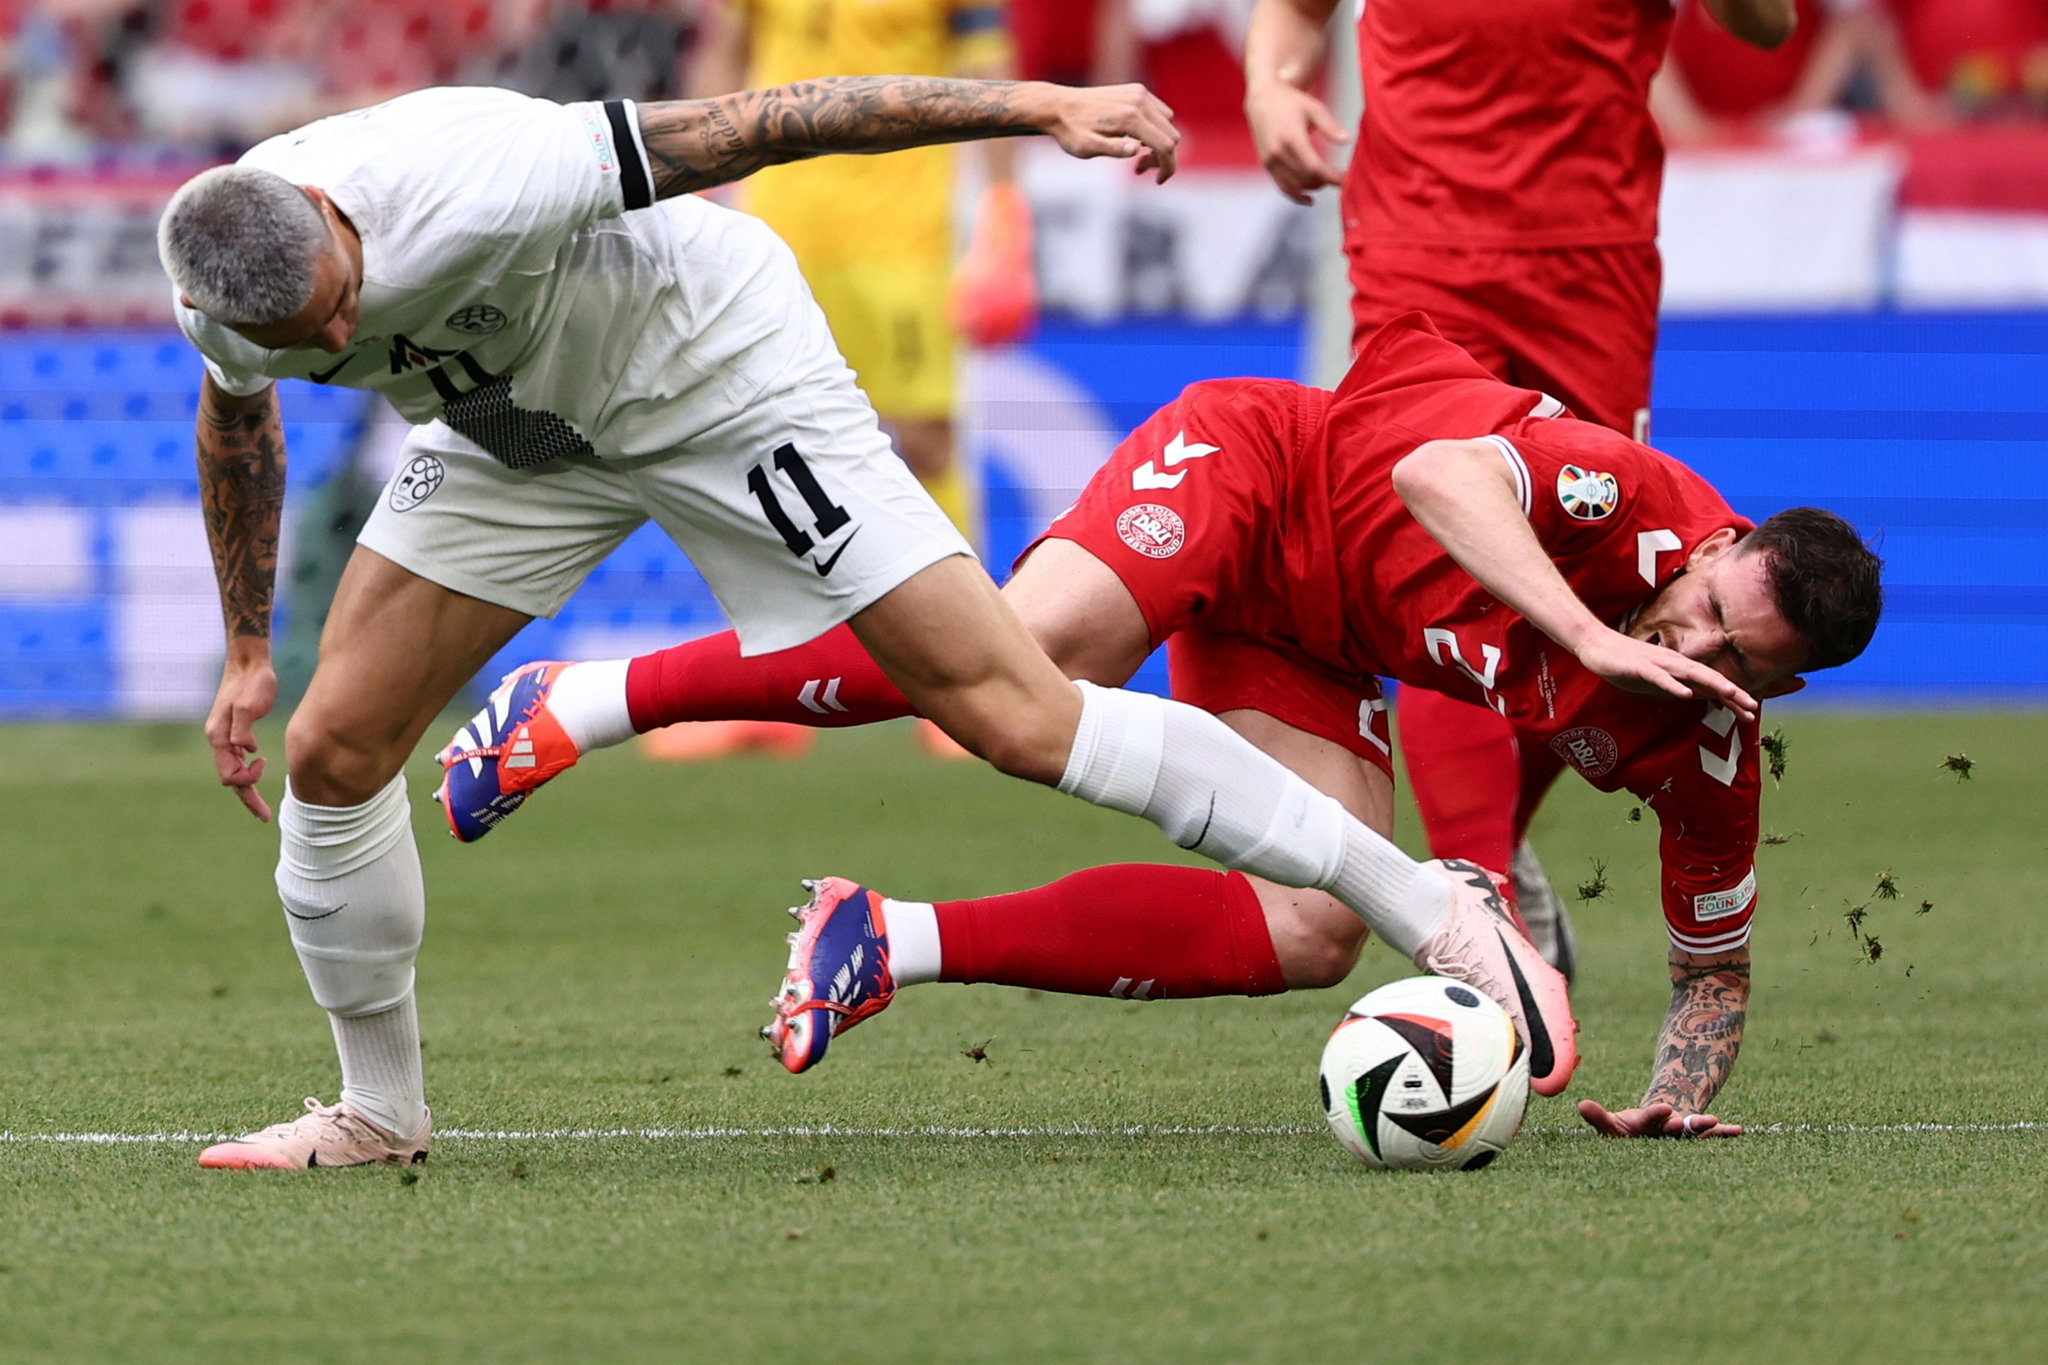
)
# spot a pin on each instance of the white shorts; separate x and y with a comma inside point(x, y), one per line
point(797, 512)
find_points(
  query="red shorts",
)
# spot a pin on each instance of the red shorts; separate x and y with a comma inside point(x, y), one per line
point(1579, 323)
point(1186, 514)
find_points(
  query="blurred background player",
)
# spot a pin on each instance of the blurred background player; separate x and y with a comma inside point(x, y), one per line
point(1843, 55)
point(1073, 42)
point(1505, 181)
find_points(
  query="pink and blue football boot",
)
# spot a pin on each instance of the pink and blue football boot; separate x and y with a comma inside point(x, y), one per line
point(838, 971)
point(505, 753)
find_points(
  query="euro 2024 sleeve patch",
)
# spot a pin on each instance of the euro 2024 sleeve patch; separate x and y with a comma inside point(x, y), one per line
point(1587, 494)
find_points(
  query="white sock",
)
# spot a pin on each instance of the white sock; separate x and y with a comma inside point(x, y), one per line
point(354, 900)
point(590, 701)
point(913, 941)
point(1215, 792)
point(380, 1066)
point(1408, 900)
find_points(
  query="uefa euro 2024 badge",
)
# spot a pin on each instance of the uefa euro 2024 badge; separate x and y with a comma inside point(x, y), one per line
point(1586, 494)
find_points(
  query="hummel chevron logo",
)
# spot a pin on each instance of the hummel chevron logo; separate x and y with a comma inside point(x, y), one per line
point(812, 701)
point(1124, 990)
point(1147, 476)
point(1721, 767)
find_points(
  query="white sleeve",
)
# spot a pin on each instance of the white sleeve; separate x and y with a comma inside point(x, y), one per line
point(470, 177)
point(547, 167)
point(207, 337)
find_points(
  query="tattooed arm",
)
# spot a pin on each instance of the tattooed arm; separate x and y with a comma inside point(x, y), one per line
point(1696, 1051)
point(695, 144)
point(241, 494)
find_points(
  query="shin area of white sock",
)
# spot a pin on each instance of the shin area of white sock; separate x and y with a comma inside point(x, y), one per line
point(1215, 792)
point(380, 1066)
point(354, 899)
point(913, 941)
point(590, 702)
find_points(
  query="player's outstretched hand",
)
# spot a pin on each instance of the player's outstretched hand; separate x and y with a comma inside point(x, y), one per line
point(1638, 666)
point(1115, 120)
point(1654, 1120)
point(248, 689)
point(1285, 124)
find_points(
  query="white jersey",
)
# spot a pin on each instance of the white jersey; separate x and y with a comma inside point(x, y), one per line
point(520, 284)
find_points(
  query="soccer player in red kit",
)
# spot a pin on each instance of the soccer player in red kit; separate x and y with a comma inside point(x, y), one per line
point(1505, 182)
point(1286, 544)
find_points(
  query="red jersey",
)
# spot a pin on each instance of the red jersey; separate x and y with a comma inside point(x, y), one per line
point(1261, 514)
point(1525, 124)
point(1617, 518)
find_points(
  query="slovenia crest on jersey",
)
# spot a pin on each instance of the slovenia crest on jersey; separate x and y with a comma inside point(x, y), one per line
point(1587, 494)
point(478, 319)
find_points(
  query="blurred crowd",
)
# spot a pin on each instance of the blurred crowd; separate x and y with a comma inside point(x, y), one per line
point(216, 75)
point(1914, 64)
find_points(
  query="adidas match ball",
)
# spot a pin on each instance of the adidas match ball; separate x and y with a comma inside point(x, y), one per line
point(1424, 1075)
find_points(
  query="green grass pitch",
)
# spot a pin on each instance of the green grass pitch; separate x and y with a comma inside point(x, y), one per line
point(604, 961)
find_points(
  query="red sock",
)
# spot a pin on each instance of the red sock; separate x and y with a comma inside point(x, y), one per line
point(1133, 932)
point(829, 682)
point(1466, 771)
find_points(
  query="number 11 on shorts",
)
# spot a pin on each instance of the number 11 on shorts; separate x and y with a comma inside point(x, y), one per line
point(827, 516)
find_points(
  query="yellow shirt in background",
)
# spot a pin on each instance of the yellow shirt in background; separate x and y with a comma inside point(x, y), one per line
point(896, 207)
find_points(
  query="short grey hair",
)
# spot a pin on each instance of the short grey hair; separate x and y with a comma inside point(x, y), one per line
point(242, 245)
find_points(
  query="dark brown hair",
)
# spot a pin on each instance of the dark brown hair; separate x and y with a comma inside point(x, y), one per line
point(1826, 582)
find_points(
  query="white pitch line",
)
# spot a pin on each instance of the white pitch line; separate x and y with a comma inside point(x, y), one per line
point(1140, 1130)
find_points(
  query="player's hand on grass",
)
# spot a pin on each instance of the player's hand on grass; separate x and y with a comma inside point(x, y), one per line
point(1655, 1121)
point(1115, 120)
point(1285, 124)
point(248, 689)
point(1638, 666)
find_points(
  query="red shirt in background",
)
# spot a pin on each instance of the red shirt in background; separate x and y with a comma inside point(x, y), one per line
point(1977, 51)
point(1055, 39)
point(241, 30)
point(1524, 124)
point(383, 46)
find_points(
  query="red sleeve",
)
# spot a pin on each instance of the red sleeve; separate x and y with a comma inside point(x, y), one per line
point(1582, 486)
point(1704, 787)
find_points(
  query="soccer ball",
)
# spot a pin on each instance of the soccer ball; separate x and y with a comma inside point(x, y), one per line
point(1425, 1075)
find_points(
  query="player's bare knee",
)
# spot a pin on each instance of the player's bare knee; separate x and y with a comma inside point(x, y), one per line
point(1316, 939)
point(1023, 746)
point(329, 767)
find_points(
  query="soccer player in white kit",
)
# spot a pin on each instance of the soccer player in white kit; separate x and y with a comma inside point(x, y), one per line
point(585, 344)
